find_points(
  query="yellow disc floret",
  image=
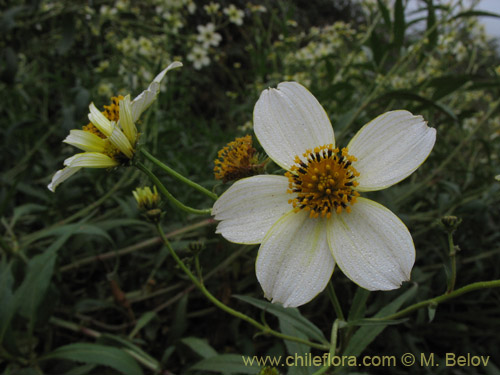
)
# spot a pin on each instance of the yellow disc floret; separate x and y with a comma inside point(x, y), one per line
point(112, 113)
point(237, 160)
point(323, 181)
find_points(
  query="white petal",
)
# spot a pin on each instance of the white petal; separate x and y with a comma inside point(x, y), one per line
point(90, 160)
point(85, 141)
point(250, 207)
point(288, 121)
point(120, 141)
point(100, 121)
point(148, 96)
point(371, 246)
point(294, 262)
point(61, 176)
point(390, 148)
point(126, 122)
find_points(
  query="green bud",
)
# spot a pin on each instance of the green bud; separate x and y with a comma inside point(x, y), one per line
point(450, 223)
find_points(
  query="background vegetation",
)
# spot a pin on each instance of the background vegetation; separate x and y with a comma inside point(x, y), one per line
point(85, 281)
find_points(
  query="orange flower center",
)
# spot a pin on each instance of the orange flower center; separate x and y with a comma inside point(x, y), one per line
point(323, 182)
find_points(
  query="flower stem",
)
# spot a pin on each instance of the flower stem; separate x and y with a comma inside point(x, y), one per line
point(439, 299)
point(167, 194)
point(335, 301)
point(178, 176)
point(333, 348)
point(229, 310)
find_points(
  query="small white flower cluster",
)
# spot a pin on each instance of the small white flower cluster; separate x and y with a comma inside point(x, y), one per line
point(208, 38)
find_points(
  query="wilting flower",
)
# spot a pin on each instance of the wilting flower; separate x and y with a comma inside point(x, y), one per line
point(314, 217)
point(238, 159)
point(110, 138)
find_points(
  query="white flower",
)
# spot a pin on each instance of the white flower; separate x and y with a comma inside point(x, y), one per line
point(199, 57)
point(191, 6)
point(211, 8)
point(235, 15)
point(313, 217)
point(110, 138)
point(207, 35)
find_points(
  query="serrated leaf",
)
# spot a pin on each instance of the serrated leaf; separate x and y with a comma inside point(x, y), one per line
point(292, 315)
point(98, 355)
point(227, 363)
point(200, 347)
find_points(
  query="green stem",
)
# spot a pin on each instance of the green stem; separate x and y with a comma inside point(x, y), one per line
point(335, 301)
point(229, 310)
point(130, 249)
point(178, 176)
point(439, 299)
point(333, 347)
point(453, 261)
point(167, 194)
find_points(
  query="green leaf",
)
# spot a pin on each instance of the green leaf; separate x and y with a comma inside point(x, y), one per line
point(200, 347)
point(476, 13)
point(34, 286)
point(227, 363)
point(179, 323)
point(366, 334)
point(79, 228)
point(291, 315)
point(358, 306)
point(404, 94)
point(81, 370)
point(30, 293)
point(399, 24)
point(368, 322)
point(385, 14)
point(142, 322)
point(431, 310)
point(295, 348)
point(25, 209)
point(431, 25)
point(7, 306)
point(98, 355)
point(108, 339)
